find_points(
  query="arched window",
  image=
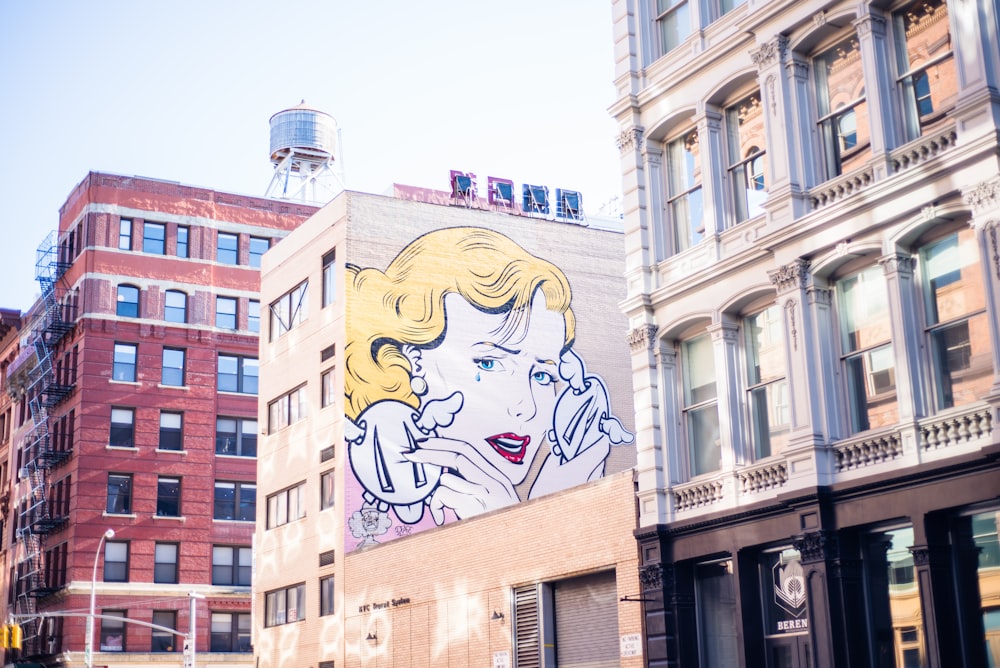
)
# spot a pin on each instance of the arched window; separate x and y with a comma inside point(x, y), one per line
point(175, 306)
point(128, 301)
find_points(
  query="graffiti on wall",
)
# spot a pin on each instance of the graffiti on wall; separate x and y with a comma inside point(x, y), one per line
point(463, 391)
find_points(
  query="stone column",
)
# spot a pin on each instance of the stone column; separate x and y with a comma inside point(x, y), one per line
point(876, 64)
point(818, 550)
point(725, 343)
point(712, 174)
point(907, 338)
point(984, 200)
point(651, 452)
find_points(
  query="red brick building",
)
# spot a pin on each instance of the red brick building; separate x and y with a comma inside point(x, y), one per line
point(134, 409)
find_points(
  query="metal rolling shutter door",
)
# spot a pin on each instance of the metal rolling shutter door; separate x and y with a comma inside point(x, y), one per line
point(586, 617)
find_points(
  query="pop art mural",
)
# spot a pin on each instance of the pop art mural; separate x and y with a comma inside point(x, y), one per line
point(463, 391)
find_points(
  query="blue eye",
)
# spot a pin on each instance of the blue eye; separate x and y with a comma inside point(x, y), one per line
point(542, 377)
point(485, 364)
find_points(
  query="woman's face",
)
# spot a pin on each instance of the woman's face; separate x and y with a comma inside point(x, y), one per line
point(508, 384)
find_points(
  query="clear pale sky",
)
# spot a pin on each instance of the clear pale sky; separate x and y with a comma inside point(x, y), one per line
point(182, 90)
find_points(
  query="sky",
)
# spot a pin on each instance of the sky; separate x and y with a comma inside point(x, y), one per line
point(184, 90)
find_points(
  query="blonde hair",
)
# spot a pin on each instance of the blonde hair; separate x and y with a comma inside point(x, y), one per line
point(405, 304)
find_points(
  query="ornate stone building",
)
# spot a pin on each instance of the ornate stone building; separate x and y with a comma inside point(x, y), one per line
point(812, 213)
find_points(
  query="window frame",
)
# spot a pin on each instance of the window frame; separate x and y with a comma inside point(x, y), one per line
point(327, 596)
point(167, 432)
point(756, 383)
point(171, 568)
point(240, 566)
point(277, 604)
point(224, 252)
point(288, 311)
point(743, 177)
point(681, 10)
point(169, 309)
point(328, 489)
point(241, 426)
point(118, 429)
point(238, 501)
point(161, 641)
point(255, 254)
point(238, 641)
point(253, 315)
point(288, 409)
point(125, 234)
point(151, 243)
point(171, 373)
point(120, 364)
point(182, 248)
point(693, 407)
point(329, 278)
point(226, 319)
point(113, 565)
point(167, 498)
point(107, 628)
point(124, 491)
point(281, 504)
point(685, 191)
point(240, 375)
point(124, 307)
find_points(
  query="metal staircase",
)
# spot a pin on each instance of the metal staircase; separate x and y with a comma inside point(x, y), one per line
point(38, 382)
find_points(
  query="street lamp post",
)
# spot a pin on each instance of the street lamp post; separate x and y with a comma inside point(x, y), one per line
point(88, 655)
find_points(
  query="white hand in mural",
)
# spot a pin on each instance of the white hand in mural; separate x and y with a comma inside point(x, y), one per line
point(469, 484)
point(583, 430)
point(378, 445)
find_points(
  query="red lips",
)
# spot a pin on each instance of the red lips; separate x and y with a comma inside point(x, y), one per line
point(510, 446)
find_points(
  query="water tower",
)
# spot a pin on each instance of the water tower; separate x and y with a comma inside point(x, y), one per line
point(305, 151)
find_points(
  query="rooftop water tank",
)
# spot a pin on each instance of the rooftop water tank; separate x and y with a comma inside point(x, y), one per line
point(305, 132)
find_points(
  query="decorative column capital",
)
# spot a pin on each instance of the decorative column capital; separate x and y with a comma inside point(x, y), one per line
point(817, 546)
point(770, 52)
point(651, 576)
point(791, 276)
point(642, 338)
point(629, 139)
point(984, 197)
point(897, 263)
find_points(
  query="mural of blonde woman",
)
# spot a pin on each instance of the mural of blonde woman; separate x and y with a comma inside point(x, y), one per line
point(463, 393)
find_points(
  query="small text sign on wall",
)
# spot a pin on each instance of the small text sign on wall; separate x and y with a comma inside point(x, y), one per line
point(501, 659)
point(631, 644)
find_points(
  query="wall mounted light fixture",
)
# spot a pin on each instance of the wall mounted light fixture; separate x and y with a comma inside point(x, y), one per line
point(497, 615)
point(372, 638)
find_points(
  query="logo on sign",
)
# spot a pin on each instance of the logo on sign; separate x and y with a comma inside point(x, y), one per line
point(790, 587)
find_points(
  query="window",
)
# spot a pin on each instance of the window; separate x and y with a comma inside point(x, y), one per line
point(228, 248)
point(701, 411)
point(843, 111)
point(236, 436)
point(125, 234)
point(684, 191)
point(175, 306)
point(745, 136)
point(286, 506)
point(928, 80)
point(235, 501)
point(230, 632)
point(124, 364)
point(153, 236)
point(231, 565)
point(327, 485)
point(767, 391)
point(225, 312)
point(173, 367)
point(128, 301)
point(112, 638)
point(326, 596)
point(183, 234)
point(327, 388)
point(285, 606)
point(258, 246)
point(673, 23)
point(237, 374)
point(168, 497)
point(893, 592)
point(329, 278)
point(116, 561)
point(165, 563)
point(253, 315)
point(715, 604)
point(957, 322)
point(287, 410)
point(119, 494)
point(170, 430)
point(866, 349)
point(289, 310)
point(122, 428)
point(163, 641)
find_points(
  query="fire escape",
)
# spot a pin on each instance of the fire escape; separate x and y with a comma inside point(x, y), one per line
point(34, 378)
